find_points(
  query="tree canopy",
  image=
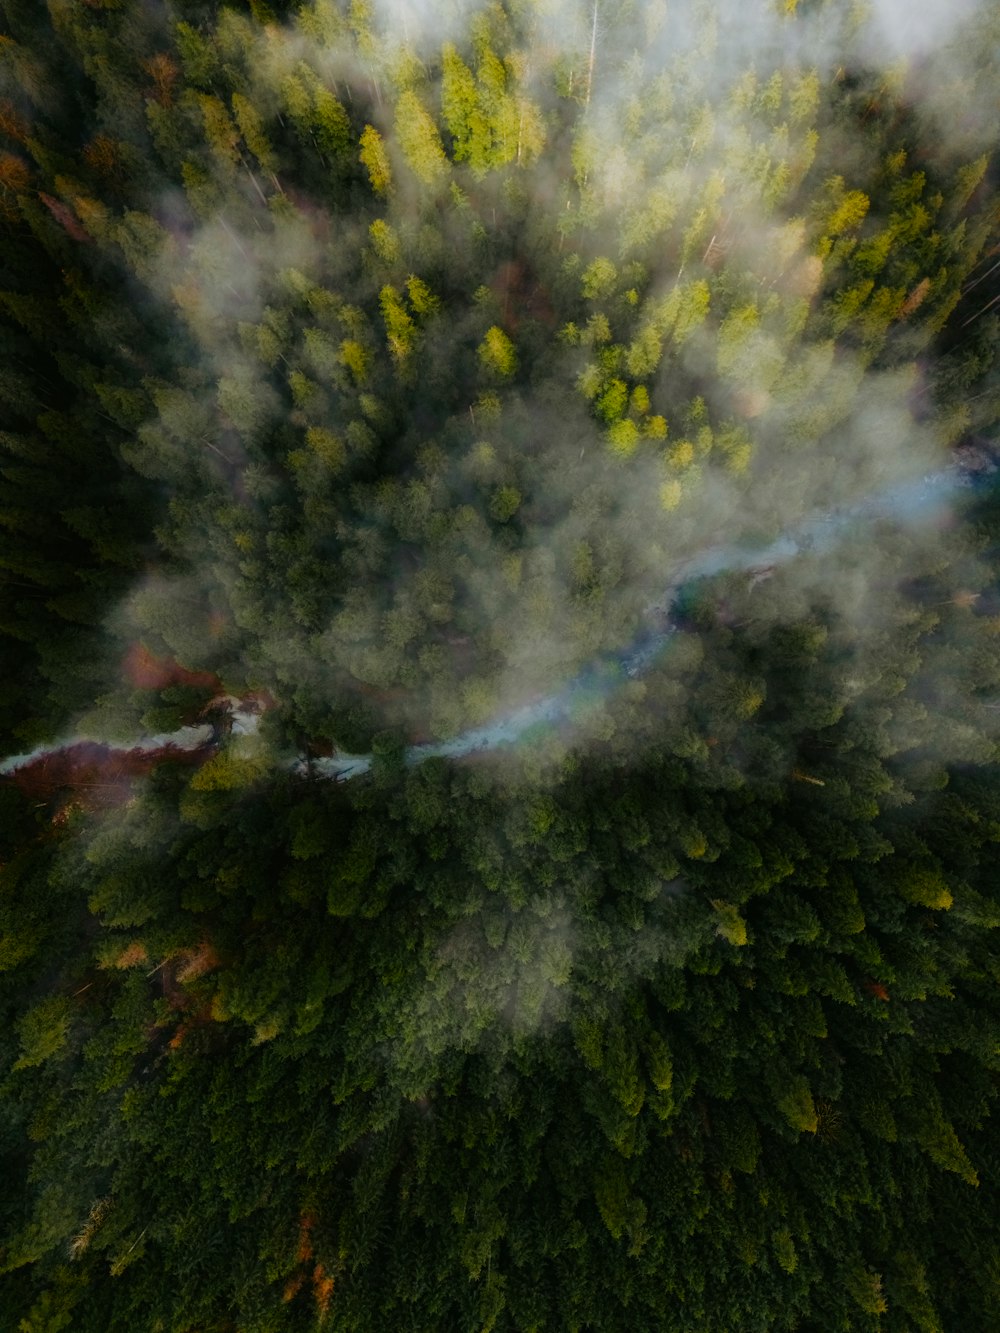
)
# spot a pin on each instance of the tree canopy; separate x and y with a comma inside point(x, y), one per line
point(386, 369)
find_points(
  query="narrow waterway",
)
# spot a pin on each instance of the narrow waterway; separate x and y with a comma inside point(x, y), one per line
point(909, 503)
point(242, 720)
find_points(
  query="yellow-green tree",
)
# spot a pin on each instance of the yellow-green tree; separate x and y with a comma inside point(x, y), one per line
point(419, 139)
point(375, 159)
point(497, 353)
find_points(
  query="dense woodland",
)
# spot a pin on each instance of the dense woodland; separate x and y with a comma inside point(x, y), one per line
point(381, 364)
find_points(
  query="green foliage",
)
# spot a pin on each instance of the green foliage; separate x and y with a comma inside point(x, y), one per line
point(375, 160)
point(850, 210)
point(798, 1108)
point(44, 1031)
point(681, 1012)
point(497, 353)
point(598, 279)
point(419, 141)
point(490, 124)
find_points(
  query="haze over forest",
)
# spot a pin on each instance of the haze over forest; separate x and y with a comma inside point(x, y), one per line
point(577, 425)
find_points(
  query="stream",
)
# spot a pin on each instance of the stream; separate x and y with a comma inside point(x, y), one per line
point(907, 503)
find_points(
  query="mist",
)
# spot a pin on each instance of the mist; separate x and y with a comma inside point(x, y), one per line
point(759, 415)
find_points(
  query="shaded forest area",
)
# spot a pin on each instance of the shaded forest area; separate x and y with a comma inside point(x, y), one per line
point(382, 369)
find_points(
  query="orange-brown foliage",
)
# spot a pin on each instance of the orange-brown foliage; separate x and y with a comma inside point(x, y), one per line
point(145, 671)
point(198, 962)
point(103, 155)
point(915, 298)
point(132, 955)
point(14, 172)
point(322, 1288)
point(292, 1287)
point(11, 123)
point(877, 989)
point(305, 1249)
point(163, 70)
point(63, 214)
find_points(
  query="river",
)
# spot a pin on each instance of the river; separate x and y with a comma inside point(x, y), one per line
point(908, 503)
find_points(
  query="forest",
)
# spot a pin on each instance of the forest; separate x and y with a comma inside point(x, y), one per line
point(500, 644)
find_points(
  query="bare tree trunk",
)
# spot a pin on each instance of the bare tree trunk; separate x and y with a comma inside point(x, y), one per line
point(593, 49)
point(256, 186)
point(986, 307)
point(235, 239)
point(983, 278)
